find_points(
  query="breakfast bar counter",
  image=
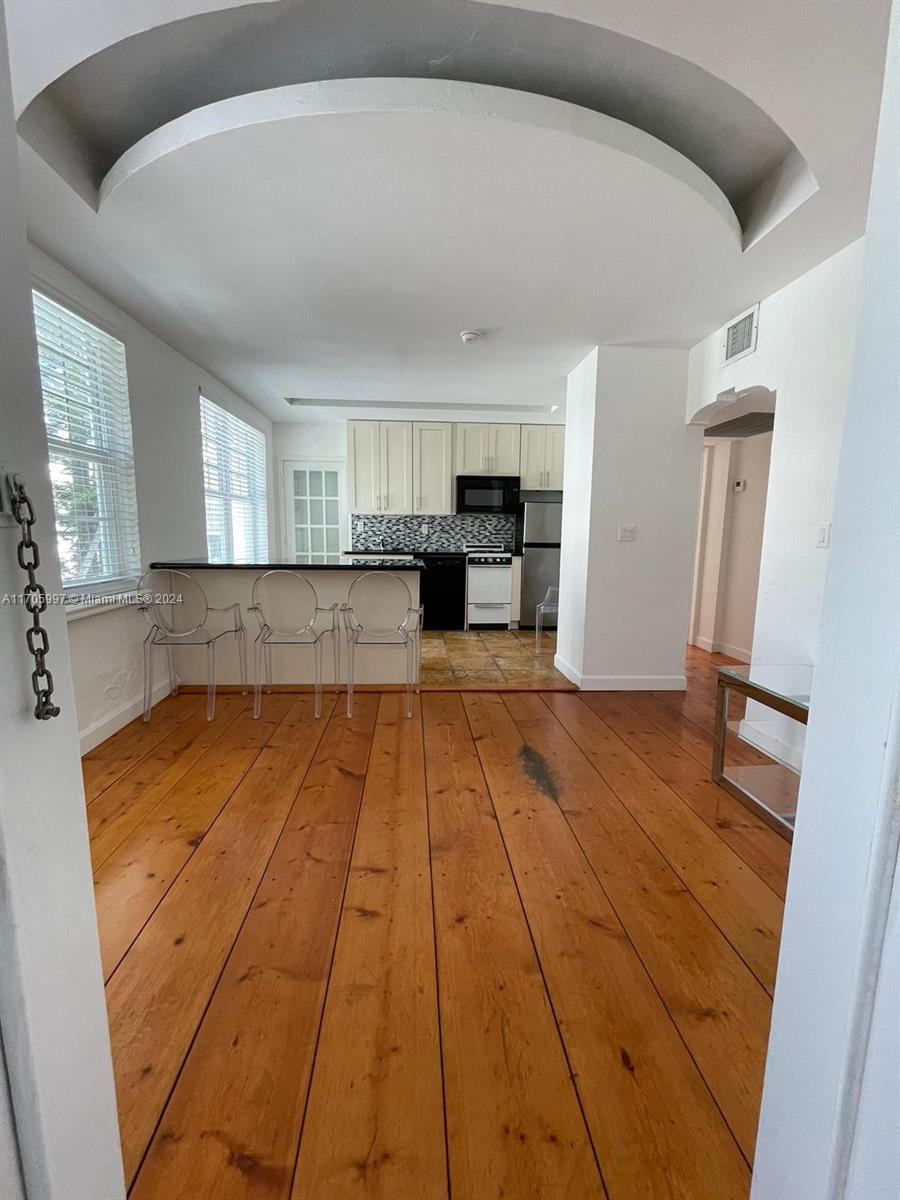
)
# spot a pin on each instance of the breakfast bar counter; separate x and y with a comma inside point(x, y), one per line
point(232, 583)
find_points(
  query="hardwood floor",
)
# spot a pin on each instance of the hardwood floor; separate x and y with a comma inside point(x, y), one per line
point(515, 947)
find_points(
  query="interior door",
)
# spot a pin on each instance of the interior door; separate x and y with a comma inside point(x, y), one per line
point(432, 483)
point(396, 467)
point(471, 449)
point(534, 454)
point(505, 443)
point(556, 444)
point(364, 467)
point(52, 1011)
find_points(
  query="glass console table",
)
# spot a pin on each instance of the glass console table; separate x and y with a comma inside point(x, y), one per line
point(761, 715)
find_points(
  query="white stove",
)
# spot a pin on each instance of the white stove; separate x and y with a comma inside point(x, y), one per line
point(488, 585)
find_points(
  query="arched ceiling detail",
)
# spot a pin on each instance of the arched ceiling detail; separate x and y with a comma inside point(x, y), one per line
point(116, 97)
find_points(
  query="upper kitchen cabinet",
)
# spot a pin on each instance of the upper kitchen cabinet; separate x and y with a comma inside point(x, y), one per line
point(364, 466)
point(396, 466)
point(379, 466)
point(542, 457)
point(483, 449)
point(431, 466)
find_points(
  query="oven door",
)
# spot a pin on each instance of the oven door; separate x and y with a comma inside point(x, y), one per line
point(487, 494)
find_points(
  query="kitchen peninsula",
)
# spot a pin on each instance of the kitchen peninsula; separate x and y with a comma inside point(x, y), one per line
point(232, 583)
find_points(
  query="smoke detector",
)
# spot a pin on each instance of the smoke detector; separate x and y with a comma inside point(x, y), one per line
point(470, 336)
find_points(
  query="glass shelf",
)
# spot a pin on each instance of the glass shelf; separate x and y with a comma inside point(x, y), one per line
point(761, 715)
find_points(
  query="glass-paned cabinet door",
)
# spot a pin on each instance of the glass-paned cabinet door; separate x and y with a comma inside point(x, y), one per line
point(314, 512)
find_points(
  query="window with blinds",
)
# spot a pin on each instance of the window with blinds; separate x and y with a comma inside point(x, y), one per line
point(85, 389)
point(234, 480)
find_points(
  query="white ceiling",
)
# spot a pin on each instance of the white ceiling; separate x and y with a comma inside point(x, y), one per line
point(337, 254)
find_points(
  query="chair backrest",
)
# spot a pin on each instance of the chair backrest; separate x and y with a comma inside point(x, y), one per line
point(551, 600)
point(380, 602)
point(286, 601)
point(174, 601)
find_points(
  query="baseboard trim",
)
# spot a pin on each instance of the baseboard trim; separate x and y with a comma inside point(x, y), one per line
point(100, 730)
point(737, 652)
point(620, 683)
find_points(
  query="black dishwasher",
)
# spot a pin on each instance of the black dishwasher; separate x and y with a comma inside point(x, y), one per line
point(442, 590)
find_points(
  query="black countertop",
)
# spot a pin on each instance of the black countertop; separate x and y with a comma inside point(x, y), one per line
point(336, 563)
point(458, 551)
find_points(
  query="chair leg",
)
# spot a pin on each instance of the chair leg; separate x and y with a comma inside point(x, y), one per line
point(210, 680)
point(173, 678)
point(317, 655)
point(538, 627)
point(351, 663)
point(241, 638)
point(336, 655)
point(148, 675)
point(267, 654)
point(257, 676)
point(410, 672)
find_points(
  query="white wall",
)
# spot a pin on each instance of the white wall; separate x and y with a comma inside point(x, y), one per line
point(829, 1113)
point(633, 461)
point(743, 545)
point(163, 387)
point(578, 490)
point(12, 1186)
point(55, 1032)
point(804, 354)
point(711, 528)
point(731, 533)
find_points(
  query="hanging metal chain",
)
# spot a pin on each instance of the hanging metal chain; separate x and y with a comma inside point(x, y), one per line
point(35, 598)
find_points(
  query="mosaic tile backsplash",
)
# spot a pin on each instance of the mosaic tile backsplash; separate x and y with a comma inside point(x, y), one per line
point(448, 534)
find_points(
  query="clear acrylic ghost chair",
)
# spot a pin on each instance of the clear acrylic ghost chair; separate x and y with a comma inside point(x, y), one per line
point(549, 604)
point(287, 609)
point(379, 612)
point(178, 611)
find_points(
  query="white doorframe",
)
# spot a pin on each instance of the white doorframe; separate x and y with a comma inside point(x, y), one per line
point(816, 1140)
point(52, 1011)
point(290, 465)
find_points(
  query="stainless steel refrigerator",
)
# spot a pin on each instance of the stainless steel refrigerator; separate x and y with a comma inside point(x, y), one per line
point(541, 531)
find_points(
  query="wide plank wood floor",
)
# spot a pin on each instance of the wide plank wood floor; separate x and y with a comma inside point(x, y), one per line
point(517, 947)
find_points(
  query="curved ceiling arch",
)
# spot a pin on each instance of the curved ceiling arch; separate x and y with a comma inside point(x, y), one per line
point(418, 96)
point(329, 241)
point(118, 96)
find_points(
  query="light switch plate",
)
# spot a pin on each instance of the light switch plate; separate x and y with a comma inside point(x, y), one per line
point(628, 533)
point(823, 535)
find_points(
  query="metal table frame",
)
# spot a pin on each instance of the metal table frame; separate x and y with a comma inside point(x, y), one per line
point(782, 704)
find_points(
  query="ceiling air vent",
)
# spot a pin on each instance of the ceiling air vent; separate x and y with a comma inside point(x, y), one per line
point(739, 337)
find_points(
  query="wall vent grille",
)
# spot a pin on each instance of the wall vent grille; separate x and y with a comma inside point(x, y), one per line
point(740, 335)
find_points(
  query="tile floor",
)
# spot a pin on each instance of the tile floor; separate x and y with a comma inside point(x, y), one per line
point(501, 656)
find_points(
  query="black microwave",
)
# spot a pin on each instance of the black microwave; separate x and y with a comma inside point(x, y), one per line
point(487, 493)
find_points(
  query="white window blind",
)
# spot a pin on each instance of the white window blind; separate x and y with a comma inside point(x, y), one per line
point(234, 480)
point(85, 388)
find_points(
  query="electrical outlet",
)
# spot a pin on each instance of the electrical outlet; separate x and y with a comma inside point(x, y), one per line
point(424, 528)
point(628, 533)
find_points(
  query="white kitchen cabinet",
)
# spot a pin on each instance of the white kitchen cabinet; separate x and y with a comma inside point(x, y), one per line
point(556, 445)
point(503, 449)
point(396, 466)
point(483, 449)
point(542, 457)
point(471, 449)
point(431, 467)
point(364, 466)
point(379, 466)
